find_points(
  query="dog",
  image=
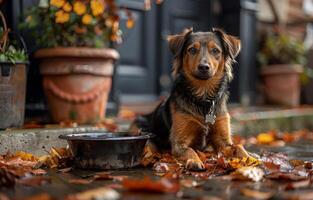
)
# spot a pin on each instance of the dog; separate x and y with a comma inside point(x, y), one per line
point(195, 114)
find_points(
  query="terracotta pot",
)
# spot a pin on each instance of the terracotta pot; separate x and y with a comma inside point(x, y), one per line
point(282, 84)
point(77, 81)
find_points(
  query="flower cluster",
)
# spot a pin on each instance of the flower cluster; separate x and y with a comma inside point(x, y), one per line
point(93, 23)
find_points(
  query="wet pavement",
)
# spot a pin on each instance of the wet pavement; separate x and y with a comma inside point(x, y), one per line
point(214, 188)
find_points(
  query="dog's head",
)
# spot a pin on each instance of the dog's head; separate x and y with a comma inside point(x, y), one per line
point(202, 55)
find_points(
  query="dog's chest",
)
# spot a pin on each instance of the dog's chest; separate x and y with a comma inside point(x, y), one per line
point(202, 138)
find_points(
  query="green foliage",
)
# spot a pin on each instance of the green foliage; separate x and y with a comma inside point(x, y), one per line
point(281, 49)
point(13, 55)
point(10, 53)
point(66, 23)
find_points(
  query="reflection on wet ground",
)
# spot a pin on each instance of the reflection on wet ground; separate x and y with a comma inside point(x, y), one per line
point(214, 188)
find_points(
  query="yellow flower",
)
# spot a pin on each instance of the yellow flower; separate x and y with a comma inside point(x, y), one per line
point(61, 17)
point(57, 3)
point(97, 7)
point(67, 7)
point(79, 8)
point(86, 19)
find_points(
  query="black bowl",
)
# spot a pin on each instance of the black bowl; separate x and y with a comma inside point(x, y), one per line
point(107, 150)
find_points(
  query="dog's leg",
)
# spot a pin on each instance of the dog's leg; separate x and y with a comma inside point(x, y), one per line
point(183, 134)
point(221, 138)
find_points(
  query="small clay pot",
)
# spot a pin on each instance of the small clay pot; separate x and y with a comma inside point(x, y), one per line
point(282, 84)
point(77, 82)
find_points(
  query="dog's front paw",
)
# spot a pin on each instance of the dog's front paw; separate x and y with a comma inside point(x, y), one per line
point(194, 165)
point(237, 151)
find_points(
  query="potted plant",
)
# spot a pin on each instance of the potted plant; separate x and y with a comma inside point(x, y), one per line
point(76, 60)
point(13, 62)
point(282, 59)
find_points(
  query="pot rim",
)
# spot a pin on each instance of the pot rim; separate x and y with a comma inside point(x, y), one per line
point(281, 69)
point(15, 63)
point(84, 136)
point(81, 52)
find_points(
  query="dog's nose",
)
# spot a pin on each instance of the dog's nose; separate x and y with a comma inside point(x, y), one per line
point(203, 68)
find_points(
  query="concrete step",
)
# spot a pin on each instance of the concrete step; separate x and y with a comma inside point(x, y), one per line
point(245, 121)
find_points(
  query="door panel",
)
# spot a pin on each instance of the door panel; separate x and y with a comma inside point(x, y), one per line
point(136, 77)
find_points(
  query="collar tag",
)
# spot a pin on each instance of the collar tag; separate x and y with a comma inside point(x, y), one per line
point(210, 118)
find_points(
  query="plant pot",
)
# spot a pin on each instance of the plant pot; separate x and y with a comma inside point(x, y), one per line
point(12, 94)
point(77, 82)
point(282, 84)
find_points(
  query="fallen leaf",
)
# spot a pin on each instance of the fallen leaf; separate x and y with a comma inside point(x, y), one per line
point(101, 193)
point(278, 159)
point(296, 163)
point(256, 194)
point(243, 162)
point(265, 138)
point(108, 176)
point(188, 183)
point(308, 165)
point(80, 181)
point(269, 166)
point(163, 185)
point(109, 124)
point(65, 170)
point(26, 156)
point(42, 196)
point(38, 172)
point(252, 173)
point(17, 161)
point(303, 195)
point(34, 181)
point(7, 178)
point(289, 176)
point(298, 184)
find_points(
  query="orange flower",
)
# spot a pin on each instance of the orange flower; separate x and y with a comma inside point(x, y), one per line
point(97, 7)
point(61, 17)
point(57, 3)
point(86, 19)
point(67, 7)
point(79, 8)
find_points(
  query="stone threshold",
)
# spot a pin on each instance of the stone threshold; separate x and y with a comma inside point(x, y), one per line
point(244, 122)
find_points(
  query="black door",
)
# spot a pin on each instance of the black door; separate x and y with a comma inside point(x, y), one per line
point(177, 15)
point(136, 71)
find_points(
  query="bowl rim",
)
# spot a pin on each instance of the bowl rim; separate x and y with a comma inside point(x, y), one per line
point(81, 136)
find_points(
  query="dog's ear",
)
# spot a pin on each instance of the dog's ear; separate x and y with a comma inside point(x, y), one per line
point(231, 44)
point(176, 42)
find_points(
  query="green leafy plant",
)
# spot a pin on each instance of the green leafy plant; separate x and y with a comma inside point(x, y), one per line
point(13, 55)
point(281, 49)
point(9, 52)
point(80, 23)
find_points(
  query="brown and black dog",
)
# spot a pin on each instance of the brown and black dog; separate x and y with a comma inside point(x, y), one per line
point(195, 114)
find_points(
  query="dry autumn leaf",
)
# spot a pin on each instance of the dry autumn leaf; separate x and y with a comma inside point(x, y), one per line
point(243, 162)
point(252, 173)
point(298, 184)
point(80, 181)
point(256, 194)
point(101, 193)
point(163, 185)
point(42, 196)
point(265, 138)
point(34, 181)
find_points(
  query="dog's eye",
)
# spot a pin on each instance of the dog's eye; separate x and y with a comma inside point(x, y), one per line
point(215, 51)
point(192, 50)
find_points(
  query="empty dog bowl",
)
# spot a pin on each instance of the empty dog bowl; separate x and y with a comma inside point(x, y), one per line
point(106, 150)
